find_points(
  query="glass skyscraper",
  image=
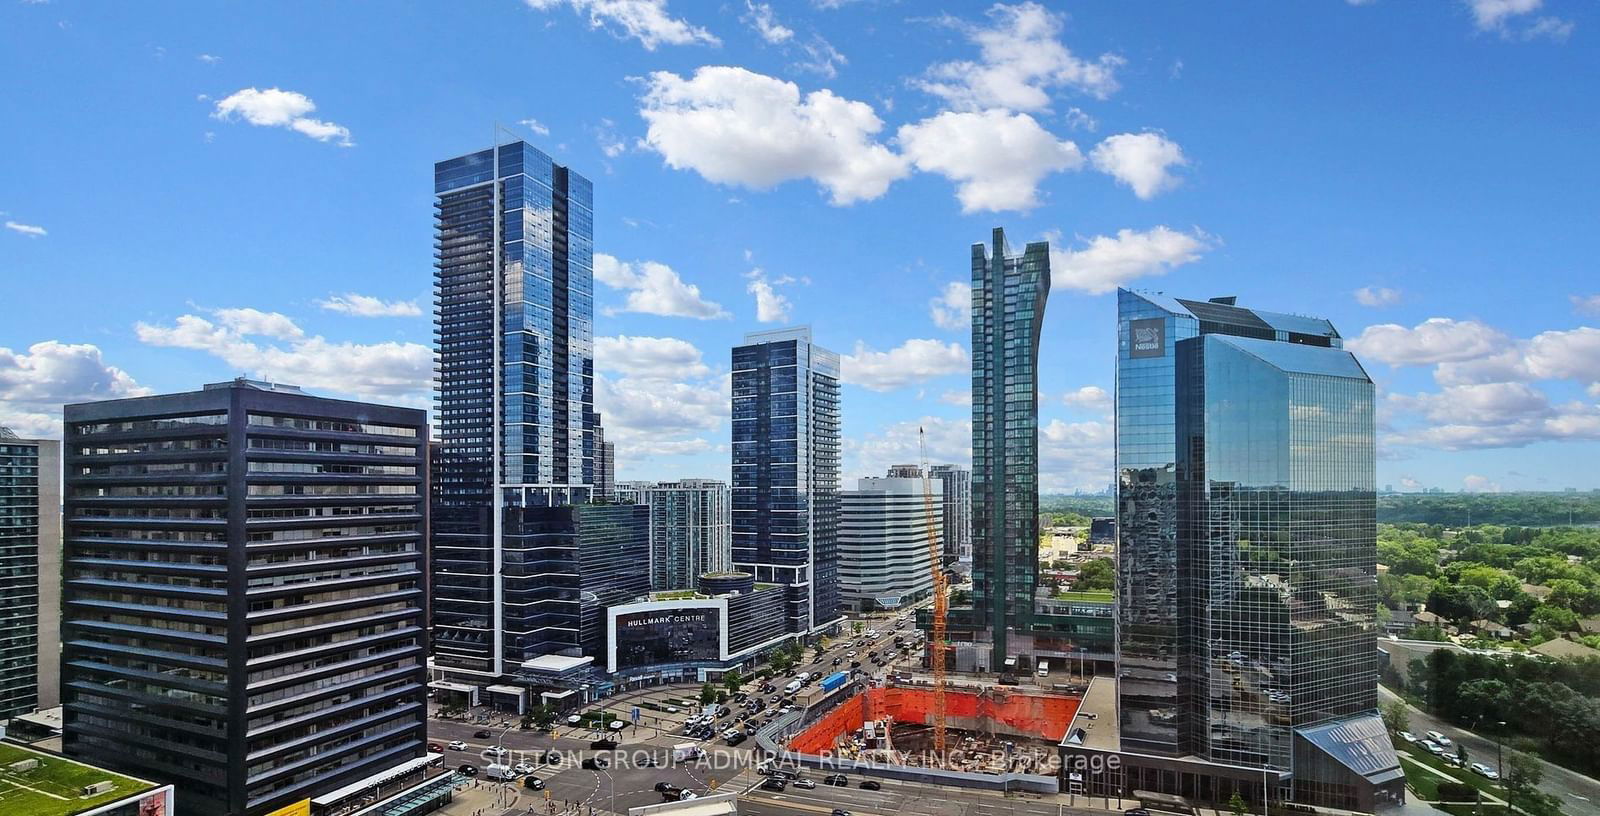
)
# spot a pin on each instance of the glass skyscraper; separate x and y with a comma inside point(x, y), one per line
point(690, 529)
point(786, 471)
point(30, 573)
point(1246, 574)
point(957, 485)
point(1008, 299)
point(515, 328)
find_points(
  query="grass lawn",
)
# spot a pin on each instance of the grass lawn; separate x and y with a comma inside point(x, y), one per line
point(53, 789)
point(1101, 595)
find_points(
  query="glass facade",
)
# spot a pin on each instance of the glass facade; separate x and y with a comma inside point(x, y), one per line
point(690, 529)
point(684, 635)
point(1246, 530)
point(785, 454)
point(515, 329)
point(252, 630)
point(29, 573)
point(957, 510)
point(1008, 299)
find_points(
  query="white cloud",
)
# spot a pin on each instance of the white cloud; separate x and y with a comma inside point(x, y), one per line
point(1409, 483)
point(1077, 119)
point(955, 397)
point(35, 383)
point(1020, 63)
point(1588, 304)
point(1435, 340)
point(1377, 296)
point(654, 288)
point(1571, 355)
point(821, 58)
point(1486, 415)
point(653, 416)
point(1142, 161)
point(948, 441)
point(1477, 404)
point(1500, 15)
point(952, 309)
point(209, 59)
point(996, 158)
point(1075, 455)
point(644, 20)
point(606, 136)
point(1474, 483)
point(771, 307)
point(649, 358)
point(367, 306)
point(734, 126)
point(911, 362)
point(275, 107)
point(390, 370)
point(765, 22)
point(30, 230)
point(1091, 398)
point(1108, 262)
point(534, 125)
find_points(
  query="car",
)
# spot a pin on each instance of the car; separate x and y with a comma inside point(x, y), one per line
point(1135, 812)
point(837, 661)
point(855, 664)
point(457, 745)
point(522, 768)
point(468, 770)
point(850, 654)
point(871, 784)
point(672, 709)
point(1439, 738)
point(482, 733)
point(663, 786)
point(533, 783)
point(1485, 771)
point(604, 745)
point(805, 783)
point(617, 725)
point(1451, 760)
point(837, 780)
point(1431, 747)
point(574, 720)
point(1008, 680)
point(1408, 736)
point(775, 783)
point(595, 764)
point(736, 739)
point(496, 751)
point(840, 812)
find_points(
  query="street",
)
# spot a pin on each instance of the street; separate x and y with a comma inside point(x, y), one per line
point(1578, 793)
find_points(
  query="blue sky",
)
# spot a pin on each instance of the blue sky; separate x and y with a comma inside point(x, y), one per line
point(191, 192)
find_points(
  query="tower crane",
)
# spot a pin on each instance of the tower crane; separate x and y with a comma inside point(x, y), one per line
point(941, 603)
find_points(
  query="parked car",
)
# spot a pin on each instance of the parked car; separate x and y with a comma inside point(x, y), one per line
point(1439, 738)
point(672, 709)
point(871, 784)
point(1432, 747)
point(837, 780)
point(574, 720)
point(1135, 812)
point(1485, 771)
point(457, 745)
point(1408, 736)
point(735, 739)
point(468, 770)
point(840, 812)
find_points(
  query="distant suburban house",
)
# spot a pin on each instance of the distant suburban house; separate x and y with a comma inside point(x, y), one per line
point(1561, 647)
point(1590, 626)
point(1489, 628)
point(1539, 591)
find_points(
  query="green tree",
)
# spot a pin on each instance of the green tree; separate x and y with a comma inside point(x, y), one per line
point(1096, 575)
point(708, 694)
point(544, 716)
point(732, 680)
point(1236, 804)
point(1396, 716)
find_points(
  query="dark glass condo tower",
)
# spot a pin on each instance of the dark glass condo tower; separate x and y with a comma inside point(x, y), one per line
point(1246, 579)
point(515, 318)
point(1008, 299)
point(244, 592)
point(786, 471)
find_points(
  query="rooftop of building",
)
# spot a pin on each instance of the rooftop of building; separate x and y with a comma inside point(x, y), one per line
point(55, 787)
point(1095, 725)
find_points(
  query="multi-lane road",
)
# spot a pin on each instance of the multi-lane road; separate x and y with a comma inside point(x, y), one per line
point(644, 757)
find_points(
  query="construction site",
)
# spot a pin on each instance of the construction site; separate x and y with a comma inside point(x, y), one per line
point(1003, 729)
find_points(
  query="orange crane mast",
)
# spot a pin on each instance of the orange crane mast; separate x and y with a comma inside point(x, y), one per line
point(941, 604)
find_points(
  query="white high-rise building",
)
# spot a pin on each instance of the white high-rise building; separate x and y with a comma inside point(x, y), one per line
point(883, 542)
point(690, 529)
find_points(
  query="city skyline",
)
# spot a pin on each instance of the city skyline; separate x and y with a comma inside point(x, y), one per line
point(1467, 375)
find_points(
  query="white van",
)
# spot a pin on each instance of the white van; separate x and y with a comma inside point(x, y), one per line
point(794, 686)
point(1044, 668)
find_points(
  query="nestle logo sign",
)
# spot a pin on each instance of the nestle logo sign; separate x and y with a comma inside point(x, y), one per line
point(1147, 338)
